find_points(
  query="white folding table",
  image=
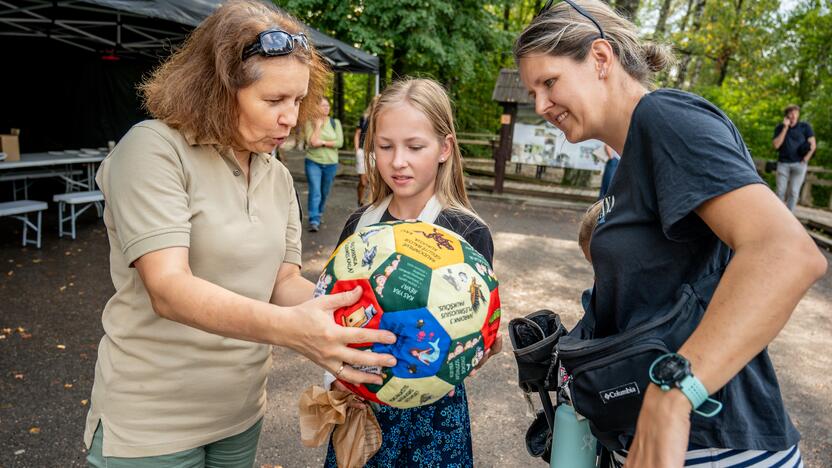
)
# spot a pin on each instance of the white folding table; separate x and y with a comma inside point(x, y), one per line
point(40, 165)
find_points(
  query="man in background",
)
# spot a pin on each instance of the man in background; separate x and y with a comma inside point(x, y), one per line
point(795, 141)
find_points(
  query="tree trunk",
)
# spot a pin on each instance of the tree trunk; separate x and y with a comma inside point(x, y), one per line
point(339, 96)
point(661, 24)
point(399, 65)
point(382, 71)
point(722, 65)
point(682, 71)
point(696, 70)
point(697, 23)
point(506, 15)
point(684, 25)
point(370, 90)
point(728, 49)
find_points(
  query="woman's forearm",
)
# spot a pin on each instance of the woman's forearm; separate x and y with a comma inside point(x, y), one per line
point(761, 287)
point(778, 140)
point(192, 301)
point(292, 290)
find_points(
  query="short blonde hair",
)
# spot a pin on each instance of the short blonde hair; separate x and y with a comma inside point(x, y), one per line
point(195, 90)
point(429, 98)
point(588, 223)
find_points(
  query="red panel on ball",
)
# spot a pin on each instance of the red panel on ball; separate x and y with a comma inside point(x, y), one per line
point(366, 313)
point(492, 320)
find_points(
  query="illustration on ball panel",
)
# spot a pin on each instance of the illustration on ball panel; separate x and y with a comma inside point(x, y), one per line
point(401, 283)
point(358, 259)
point(434, 247)
point(458, 299)
point(429, 287)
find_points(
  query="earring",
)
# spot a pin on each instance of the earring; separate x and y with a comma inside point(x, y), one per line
point(603, 74)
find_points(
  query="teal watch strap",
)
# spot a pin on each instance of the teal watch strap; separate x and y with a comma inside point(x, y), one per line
point(698, 396)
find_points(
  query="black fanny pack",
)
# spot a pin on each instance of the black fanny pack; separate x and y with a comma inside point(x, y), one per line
point(608, 376)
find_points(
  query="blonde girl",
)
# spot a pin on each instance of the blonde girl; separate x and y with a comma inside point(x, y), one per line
point(415, 172)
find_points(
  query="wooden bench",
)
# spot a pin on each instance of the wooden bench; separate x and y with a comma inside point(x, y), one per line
point(87, 199)
point(20, 209)
point(806, 192)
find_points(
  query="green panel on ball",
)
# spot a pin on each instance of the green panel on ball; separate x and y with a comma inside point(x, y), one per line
point(401, 283)
point(464, 354)
point(480, 265)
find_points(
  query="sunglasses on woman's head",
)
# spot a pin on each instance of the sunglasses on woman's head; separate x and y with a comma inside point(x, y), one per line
point(274, 43)
point(580, 11)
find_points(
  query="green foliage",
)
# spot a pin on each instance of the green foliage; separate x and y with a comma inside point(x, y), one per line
point(750, 57)
point(457, 42)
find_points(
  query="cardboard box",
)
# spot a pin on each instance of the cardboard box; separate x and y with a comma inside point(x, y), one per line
point(10, 144)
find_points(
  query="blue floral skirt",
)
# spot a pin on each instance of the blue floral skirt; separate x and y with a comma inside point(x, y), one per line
point(437, 435)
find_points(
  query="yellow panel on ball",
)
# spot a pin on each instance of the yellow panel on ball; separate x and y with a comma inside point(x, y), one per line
point(458, 299)
point(410, 393)
point(433, 246)
point(363, 253)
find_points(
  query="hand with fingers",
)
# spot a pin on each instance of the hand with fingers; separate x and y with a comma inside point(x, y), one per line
point(312, 332)
point(495, 348)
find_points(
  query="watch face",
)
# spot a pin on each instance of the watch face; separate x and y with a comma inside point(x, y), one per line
point(671, 370)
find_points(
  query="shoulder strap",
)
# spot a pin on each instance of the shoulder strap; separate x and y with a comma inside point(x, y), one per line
point(373, 214)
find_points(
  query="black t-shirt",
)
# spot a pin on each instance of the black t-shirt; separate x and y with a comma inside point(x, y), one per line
point(795, 145)
point(363, 122)
point(680, 152)
point(474, 231)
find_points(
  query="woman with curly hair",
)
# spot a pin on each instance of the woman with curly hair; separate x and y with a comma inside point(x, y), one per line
point(204, 232)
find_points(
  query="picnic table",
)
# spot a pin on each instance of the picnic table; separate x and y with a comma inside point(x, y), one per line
point(65, 165)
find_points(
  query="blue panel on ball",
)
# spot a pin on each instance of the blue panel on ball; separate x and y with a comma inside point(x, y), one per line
point(421, 346)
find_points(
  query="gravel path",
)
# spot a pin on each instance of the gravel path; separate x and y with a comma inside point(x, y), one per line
point(56, 294)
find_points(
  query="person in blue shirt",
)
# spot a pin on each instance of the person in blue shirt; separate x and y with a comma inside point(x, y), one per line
point(686, 205)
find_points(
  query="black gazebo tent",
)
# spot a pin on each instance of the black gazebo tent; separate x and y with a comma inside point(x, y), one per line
point(70, 67)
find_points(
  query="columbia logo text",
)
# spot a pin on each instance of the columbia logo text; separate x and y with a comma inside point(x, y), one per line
point(622, 391)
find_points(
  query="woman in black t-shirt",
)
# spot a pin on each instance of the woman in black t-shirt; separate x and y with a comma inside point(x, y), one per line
point(686, 206)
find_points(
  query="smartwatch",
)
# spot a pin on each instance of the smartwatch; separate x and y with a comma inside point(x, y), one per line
point(673, 371)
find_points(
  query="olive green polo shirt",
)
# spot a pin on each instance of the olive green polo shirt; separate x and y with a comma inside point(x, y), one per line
point(161, 386)
point(325, 155)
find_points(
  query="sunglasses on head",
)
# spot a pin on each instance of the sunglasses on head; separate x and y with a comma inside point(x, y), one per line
point(580, 11)
point(274, 43)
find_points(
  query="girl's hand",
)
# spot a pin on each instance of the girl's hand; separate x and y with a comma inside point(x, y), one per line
point(662, 430)
point(496, 348)
point(310, 330)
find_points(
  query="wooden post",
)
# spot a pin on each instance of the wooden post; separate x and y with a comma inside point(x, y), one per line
point(503, 152)
point(806, 191)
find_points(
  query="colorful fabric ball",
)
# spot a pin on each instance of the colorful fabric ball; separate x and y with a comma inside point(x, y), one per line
point(433, 290)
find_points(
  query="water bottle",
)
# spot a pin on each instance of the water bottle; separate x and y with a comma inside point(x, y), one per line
point(573, 445)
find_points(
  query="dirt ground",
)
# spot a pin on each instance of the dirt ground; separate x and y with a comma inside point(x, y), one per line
point(56, 294)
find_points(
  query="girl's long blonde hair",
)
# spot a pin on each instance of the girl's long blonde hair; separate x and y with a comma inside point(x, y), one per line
point(429, 98)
